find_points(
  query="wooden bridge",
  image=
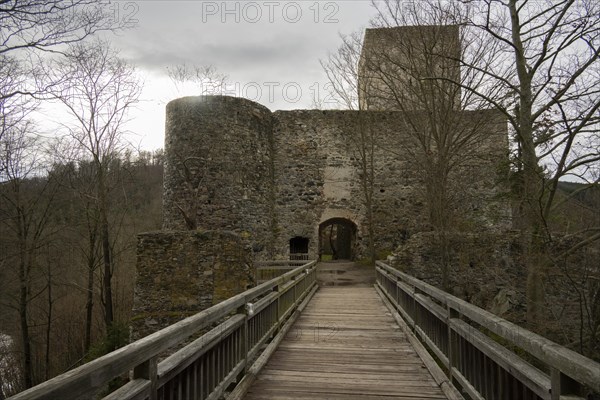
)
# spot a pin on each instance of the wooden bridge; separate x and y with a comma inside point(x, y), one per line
point(291, 338)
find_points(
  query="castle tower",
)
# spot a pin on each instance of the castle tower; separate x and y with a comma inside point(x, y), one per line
point(398, 65)
point(218, 173)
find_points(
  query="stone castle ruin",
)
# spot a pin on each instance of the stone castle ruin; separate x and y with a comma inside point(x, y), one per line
point(243, 183)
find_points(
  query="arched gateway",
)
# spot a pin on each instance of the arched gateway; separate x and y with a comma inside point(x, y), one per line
point(337, 238)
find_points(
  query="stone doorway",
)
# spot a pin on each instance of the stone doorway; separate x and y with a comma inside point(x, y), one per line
point(336, 239)
point(299, 248)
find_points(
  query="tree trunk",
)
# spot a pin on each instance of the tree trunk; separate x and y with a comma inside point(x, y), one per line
point(23, 317)
point(106, 253)
point(445, 259)
point(107, 280)
point(440, 209)
point(331, 243)
point(365, 143)
point(23, 298)
point(89, 303)
point(371, 243)
point(89, 306)
point(2, 397)
point(367, 184)
point(48, 324)
point(531, 232)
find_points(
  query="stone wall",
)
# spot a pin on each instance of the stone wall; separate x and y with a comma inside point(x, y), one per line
point(318, 176)
point(234, 165)
point(486, 268)
point(393, 61)
point(180, 273)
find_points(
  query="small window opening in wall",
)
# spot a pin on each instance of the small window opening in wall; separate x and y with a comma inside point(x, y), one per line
point(299, 248)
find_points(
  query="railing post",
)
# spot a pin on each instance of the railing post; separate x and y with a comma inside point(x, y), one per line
point(453, 352)
point(417, 316)
point(245, 310)
point(295, 287)
point(397, 291)
point(148, 370)
point(279, 313)
point(563, 385)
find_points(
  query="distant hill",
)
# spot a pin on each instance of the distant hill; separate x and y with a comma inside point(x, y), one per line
point(589, 195)
point(577, 207)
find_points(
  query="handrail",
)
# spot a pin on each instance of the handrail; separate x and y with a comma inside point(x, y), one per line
point(267, 270)
point(206, 366)
point(446, 324)
point(266, 264)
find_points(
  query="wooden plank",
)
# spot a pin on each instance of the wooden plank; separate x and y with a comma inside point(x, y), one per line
point(249, 378)
point(345, 345)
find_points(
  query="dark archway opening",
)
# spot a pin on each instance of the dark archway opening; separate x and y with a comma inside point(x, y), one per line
point(299, 248)
point(336, 239)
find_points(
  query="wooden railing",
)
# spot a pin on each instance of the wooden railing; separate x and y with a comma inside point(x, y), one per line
point(267, 270)
point(203, 369)
point(468, 341)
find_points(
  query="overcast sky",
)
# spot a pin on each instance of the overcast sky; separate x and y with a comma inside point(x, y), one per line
point(270, 50)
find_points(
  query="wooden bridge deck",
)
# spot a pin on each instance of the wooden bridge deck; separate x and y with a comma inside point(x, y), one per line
point(345, 345)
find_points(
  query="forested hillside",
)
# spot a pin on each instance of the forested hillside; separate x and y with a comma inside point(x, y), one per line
point(50, 244)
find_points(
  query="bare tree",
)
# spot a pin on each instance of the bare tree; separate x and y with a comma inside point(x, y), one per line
point(365, 142)
point(205, 79)
point(342, 70)
point(398, 69)
point(14, 109)
point(100, 91)
point(448, 135)
point(26, 207)
point(79, 180)
point(544, 79)
point(37, 26)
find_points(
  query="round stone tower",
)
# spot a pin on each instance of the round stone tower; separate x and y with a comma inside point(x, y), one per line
point(218, 167)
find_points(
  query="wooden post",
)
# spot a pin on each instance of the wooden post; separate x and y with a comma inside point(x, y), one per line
point(416, 314)
point(453, 352)
point(563, 385)
point(295, 287)
point(244, 338)
point(279, 313)
point(148, 370)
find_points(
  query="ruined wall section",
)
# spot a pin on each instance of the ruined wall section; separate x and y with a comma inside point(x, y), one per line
point(481, 180)
point(393, 59)
point(399, 203)
point(299, 162)
point(218, 171)
point(309, 157)
point(181, 273)
point(482, 266)
point(318, 177)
